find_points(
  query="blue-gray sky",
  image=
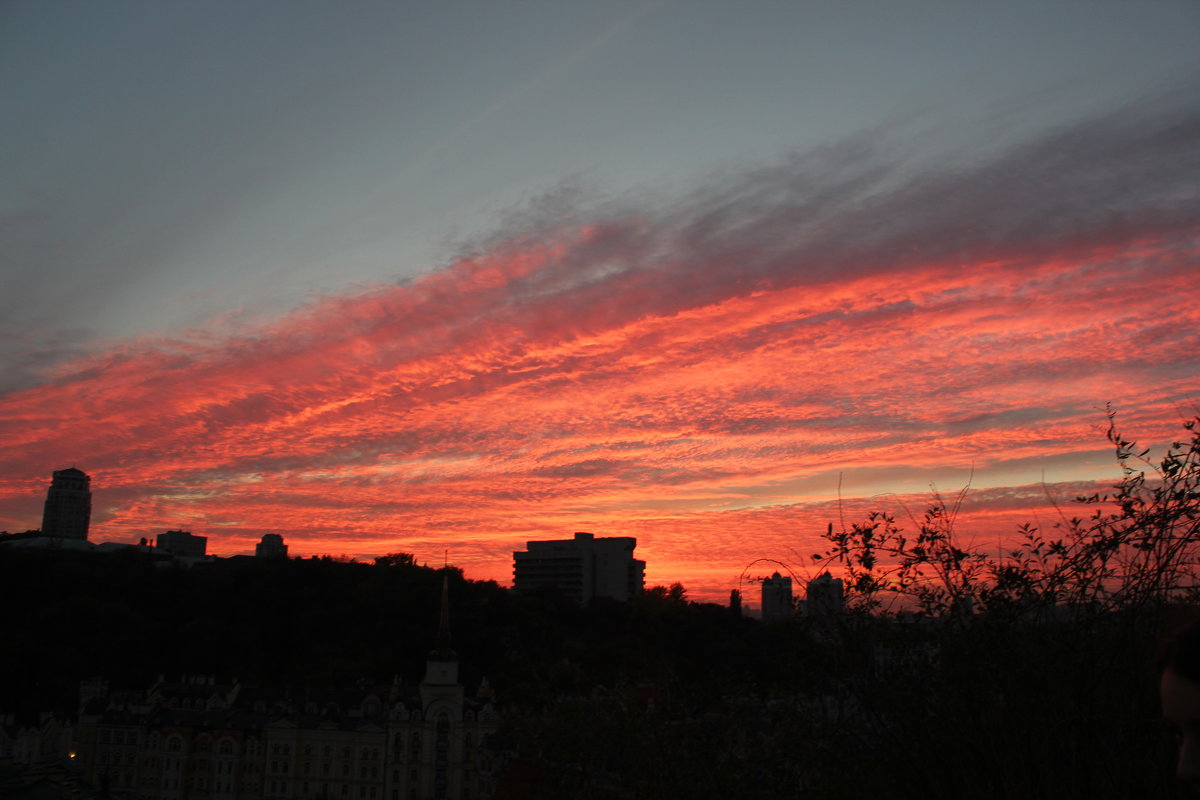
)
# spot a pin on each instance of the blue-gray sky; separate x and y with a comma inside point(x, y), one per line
point(165, 162)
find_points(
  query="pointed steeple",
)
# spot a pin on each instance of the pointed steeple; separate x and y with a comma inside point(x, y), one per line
point(441, 668)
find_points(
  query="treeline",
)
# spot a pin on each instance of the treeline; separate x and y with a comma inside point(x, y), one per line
point(953, 673)
point(71, 615)
point(658, 698)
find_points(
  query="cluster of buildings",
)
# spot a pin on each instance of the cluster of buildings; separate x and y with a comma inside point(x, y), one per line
point(580, 568)
point(585, 567)
point(825, 597)
point(198, 738)
point(67, 514)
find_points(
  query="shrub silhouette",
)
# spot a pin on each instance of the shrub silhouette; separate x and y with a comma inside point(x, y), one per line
point(1025, 675)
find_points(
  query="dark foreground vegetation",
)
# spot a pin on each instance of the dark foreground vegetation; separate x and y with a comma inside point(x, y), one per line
point(950, 674)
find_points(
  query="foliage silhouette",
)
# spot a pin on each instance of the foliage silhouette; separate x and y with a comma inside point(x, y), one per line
point(952, 673)
point(1024, 675)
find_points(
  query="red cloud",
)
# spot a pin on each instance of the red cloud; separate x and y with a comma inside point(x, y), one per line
point(698, 378)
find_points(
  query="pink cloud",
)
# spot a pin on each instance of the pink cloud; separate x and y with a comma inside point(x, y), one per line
point(676, 373)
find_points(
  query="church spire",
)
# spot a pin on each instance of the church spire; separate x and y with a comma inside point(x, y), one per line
point(441, 668)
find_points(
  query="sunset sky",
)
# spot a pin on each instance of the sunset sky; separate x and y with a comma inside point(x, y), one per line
point(448, 277)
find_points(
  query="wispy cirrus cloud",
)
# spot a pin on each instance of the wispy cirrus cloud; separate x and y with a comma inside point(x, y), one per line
point(699, 369)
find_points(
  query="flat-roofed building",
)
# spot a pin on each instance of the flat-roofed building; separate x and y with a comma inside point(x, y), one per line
point(182, 543)
point(582, 568)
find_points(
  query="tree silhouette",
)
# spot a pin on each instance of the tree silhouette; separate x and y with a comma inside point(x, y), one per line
point(1026, 674)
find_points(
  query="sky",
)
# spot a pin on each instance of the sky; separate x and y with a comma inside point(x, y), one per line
point(445, 278)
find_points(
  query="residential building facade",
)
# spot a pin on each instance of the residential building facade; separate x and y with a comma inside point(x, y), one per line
point(582, 568)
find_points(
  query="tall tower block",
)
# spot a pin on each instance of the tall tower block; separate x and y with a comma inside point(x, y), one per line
point(68, 505)
point(777, 598)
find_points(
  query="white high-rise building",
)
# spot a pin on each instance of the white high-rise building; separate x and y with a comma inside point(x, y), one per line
point(583, 567)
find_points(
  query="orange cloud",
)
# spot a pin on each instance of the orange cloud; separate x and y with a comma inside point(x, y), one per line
point(701, 376)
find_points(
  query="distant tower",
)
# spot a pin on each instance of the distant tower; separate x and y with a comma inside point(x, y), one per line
point(776, 598)
point(68, 505)
point(825, 596)
point(271, 546)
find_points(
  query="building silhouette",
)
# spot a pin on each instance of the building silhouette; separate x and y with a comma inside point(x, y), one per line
point(201, 738)
point(582, 568)
point(182, 543)
point(271, 546)
point(777, 598)
point(68, 508)
point(825, 596)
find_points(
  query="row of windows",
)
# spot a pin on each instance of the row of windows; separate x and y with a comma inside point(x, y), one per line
point(174, 744)
point(310, 790)
point(305, 789)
